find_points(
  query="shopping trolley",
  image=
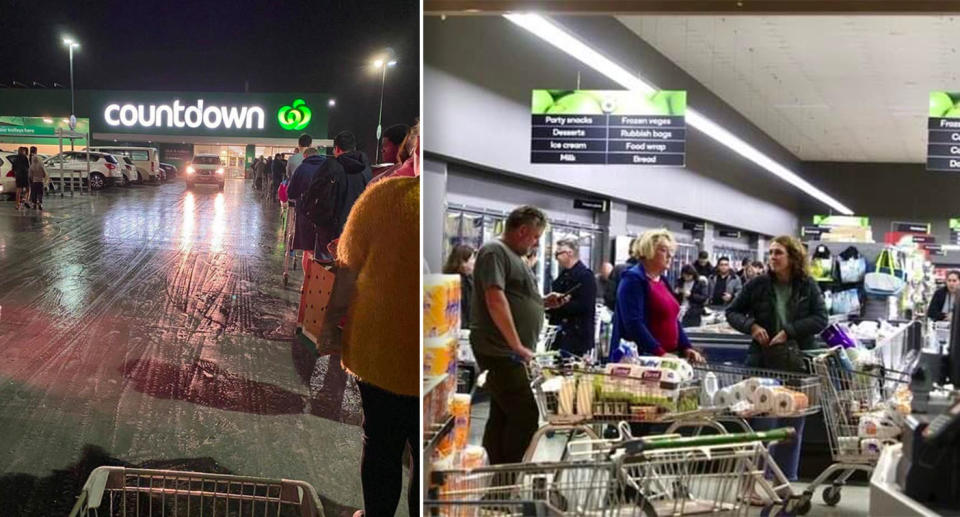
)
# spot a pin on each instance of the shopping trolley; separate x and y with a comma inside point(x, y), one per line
point(660, 475)
point(289, 230)
point(118, 491)
point(847, 393)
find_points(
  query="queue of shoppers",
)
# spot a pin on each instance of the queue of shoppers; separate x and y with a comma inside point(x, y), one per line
point(368, 235)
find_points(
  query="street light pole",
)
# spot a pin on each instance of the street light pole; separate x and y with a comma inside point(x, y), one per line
point(72, 110)
point(383, 78)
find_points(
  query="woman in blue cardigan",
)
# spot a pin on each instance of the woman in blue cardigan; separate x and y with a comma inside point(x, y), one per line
point(646, 310)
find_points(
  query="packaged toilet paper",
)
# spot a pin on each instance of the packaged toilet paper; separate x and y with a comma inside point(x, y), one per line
point(441, 304)
point(439, 356)
point(460, 410)
point(753, 383)
point(763, 399)
point(725, 398)
point(788, 402)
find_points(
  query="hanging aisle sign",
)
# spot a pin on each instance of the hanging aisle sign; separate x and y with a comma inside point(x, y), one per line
point(943, 131)
point(608, 127)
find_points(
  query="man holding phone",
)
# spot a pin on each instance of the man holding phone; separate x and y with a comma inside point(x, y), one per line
point(576, 318)
point(506, 317)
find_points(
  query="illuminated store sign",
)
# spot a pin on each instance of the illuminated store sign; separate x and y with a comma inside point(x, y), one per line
point(179, 115)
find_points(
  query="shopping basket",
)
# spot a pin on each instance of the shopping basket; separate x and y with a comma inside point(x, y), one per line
point(847, 393)
point(118, 491)
point(666, 475)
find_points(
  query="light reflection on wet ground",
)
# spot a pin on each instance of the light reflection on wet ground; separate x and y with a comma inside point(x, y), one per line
point(150, 324)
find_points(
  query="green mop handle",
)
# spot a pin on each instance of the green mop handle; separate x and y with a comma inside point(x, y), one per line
point(672, 442)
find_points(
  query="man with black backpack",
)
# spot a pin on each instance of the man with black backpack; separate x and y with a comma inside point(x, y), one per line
point(335, 188)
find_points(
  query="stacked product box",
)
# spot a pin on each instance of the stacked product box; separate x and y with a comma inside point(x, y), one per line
point(441, 324)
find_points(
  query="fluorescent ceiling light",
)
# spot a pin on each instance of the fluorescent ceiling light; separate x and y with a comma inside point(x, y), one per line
point(566, 42)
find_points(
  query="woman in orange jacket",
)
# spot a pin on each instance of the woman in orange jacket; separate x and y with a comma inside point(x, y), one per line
point(380, 246)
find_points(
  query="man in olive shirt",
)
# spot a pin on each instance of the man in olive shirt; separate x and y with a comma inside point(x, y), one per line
point(505, 321)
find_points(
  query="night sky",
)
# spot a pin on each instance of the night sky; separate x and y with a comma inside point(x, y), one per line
point(276, 46)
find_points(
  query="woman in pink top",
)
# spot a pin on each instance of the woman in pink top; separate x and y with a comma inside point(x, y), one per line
point(646, 311)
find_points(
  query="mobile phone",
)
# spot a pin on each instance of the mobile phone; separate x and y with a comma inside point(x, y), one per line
point(572, 289)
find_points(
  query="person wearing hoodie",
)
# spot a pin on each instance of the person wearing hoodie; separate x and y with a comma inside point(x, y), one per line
point(305, 234)
point(350, 170)
point(38, 177)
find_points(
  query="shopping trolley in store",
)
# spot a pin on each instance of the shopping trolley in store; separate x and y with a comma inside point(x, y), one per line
point(118, 491)
point(847, 393)
point(289, 229)
point(659, 475)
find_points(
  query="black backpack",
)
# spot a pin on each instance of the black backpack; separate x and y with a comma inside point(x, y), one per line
point(319, 202)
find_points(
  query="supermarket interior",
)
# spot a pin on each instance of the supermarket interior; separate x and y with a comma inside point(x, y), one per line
point(688, 263)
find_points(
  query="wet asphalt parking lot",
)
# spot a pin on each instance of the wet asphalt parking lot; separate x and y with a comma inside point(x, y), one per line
point(149, 326)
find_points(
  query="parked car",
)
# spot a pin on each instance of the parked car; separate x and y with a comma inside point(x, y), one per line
point(72, 166)
point(8, 184)
point(205, 168)
point(129, 169)
point(170, 170)
point(147, 160)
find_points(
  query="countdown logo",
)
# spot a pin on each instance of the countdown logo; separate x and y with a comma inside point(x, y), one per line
point(179, 115)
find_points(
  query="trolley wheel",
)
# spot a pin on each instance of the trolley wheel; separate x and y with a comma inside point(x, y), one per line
point(804, 506)
point(285, 279)
point(767, 511)
point(831, 495)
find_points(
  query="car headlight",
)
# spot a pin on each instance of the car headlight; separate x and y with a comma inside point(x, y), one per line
point(220, 170)
point(191, 170)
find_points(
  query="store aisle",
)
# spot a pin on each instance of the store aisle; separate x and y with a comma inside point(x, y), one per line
point(149, 326)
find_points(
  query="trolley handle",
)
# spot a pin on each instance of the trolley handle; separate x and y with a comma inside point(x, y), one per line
point(639, 445)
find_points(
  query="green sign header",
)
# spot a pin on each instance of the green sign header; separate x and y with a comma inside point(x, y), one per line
point(613, 102)
point(841, 220)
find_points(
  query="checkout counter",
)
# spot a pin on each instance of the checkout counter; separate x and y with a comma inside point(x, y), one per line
point(921, 475)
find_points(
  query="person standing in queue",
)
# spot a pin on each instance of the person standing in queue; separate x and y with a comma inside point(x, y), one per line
point(381, 337)
point(724, 285)
point(303, 143)
point(784, 312)
point(38, 178)
point(278, 171)
point(460, 262)
point(703, 265)
point(506, 318)
point(647, 311)
point(305, 233)
point(21, 174)
point(576, 318)
point(691, 292)
point(610, 296)
point(944, 299)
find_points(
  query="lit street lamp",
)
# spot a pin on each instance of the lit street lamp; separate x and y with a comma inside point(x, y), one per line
point(73, 119)
point(379, 63)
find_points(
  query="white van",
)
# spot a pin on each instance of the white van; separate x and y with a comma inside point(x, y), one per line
point(147, 160)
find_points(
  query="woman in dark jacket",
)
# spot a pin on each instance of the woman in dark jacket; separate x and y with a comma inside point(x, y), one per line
point(784, 312)
point(460, 262)
point(941, 306)
point(691, 290)
point(279, 169)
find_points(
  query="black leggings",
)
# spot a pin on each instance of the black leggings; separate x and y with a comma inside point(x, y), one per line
point(390, 422)
point(36, 192)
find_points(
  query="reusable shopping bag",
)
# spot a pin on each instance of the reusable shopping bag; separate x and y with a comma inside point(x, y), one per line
point(852, 266)
point(886, 279)
point(846, 302)
point(821, 265)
